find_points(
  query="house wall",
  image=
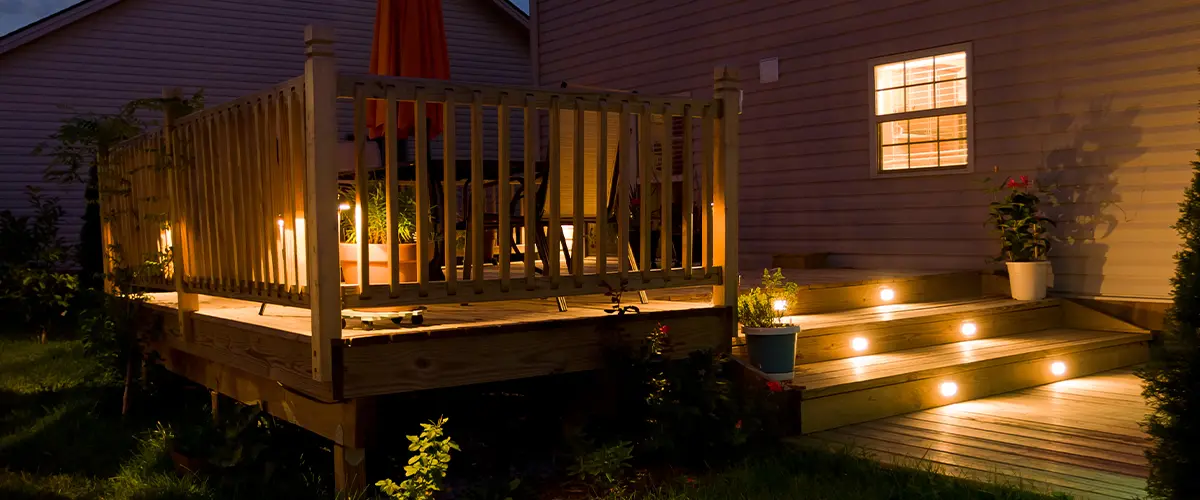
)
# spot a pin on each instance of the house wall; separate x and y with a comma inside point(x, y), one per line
point(1097, 96)
point(134, 48)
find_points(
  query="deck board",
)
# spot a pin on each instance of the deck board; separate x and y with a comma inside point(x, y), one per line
point(1055, 437)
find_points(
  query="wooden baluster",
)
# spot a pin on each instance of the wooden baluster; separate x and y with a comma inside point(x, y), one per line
point(708, 136)
point(270, 157)
point(214, 206)
point(666, 185)
point(531, 133)
point(300, 171)
point(645, 165)
point(320, 187)
point(250, 200)
point(231, 207)
point(391, 178)
point(449, 195)
point(725, 186)
point(361, 193)
point(424, 226)
point(265, 223)
point(602, 191)
point(280, 189)
point(554, 197)
point(504, 234)
point(292, 163)
point(686, 206)
point(578, 179)
point(477, 194)
point(624, 165)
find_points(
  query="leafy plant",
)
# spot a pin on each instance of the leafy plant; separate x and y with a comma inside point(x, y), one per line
point(406, 214)
point(1173, 379)
point(604, 466)
point(615, 295)
point(32, 258)
point(764, 305)
point(1024, 228)
point(426, 470)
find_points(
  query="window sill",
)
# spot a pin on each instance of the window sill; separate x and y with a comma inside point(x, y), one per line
point(922, 172)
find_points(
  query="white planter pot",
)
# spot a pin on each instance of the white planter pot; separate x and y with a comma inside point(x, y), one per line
point(1028, 280)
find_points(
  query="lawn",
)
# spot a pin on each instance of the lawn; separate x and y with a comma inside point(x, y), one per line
point(62, 437)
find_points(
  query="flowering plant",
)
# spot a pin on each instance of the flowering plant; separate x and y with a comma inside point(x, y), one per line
point(763, 306)
point(1024, 229)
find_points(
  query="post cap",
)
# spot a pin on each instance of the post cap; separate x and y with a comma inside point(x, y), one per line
point(318, 33)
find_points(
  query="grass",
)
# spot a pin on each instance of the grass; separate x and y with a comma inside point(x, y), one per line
point(62, 437)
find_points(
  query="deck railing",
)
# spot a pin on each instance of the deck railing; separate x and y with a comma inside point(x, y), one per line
point(246, 194)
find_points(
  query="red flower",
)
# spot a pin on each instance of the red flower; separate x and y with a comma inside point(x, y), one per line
point(635, 202)
point(738, 425)
point(774, 386)
point(691, 480)
point(1012, 183)
point(664, 329)
point(1024, 181)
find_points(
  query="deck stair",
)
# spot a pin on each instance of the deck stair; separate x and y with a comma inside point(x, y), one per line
point(861, 364)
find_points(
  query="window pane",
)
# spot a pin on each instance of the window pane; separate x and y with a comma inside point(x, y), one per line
point(889, 101)
point(952, 126)
point(918, 71)
point(952, 93)
point(889, 76)
point(919, 97)
point(892, 132)
point(922, 129)
point(894, 158)
point(952, 153)
point(951, 66)
point(923, 155)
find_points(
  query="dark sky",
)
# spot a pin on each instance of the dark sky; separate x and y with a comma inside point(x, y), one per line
point(17, 13)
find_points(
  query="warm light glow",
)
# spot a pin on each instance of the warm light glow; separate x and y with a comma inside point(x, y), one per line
point(343, 206)
point(280, 222)
point(1058, 368)
point(968, 329)
point(887, 295)
point(568, 233)
point(948, 389)
point(859, 344)
point(780, 305)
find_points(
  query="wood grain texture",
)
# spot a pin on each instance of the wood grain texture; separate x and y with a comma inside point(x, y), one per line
point(1045, 438)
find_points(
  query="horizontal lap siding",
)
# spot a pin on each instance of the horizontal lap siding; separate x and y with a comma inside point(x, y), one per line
point(1096, 96)
point(227, 48)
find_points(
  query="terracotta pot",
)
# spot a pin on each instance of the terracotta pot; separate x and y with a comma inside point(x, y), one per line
point(378, 253)
point(1028, 280)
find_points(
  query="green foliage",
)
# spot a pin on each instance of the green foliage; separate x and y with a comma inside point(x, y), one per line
point(406, 214)
point(32, 259)
point(1023, 227)
point(1173, 379)
point(757, 306)
point(603, 467)
point(426, 470)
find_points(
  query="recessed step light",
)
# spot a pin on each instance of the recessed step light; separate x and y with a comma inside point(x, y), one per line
point(887, 294)
point(1058, 368)
point(969, 328)
point(948, 389)
point(859, 344)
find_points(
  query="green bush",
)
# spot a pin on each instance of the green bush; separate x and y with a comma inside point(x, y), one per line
point(759, 307)
point(426, 469)
point(1173, 378)
point(34, 283)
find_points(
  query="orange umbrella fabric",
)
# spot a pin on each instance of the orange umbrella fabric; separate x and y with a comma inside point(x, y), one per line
point(410, 41)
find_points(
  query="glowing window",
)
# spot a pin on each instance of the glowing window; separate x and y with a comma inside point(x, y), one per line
point(920, 113)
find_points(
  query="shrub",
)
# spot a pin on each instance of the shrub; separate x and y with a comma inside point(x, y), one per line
point(1173, 379)
point(33, 281)
point(426, 470)
point(406, 214)
point(762, 306)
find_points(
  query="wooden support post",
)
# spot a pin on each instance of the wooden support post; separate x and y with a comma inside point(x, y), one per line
point(189, 303)
point(320, 203)
point(349, 446)
point(725, 185)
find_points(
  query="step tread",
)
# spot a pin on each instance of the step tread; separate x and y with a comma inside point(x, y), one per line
point(914, 311)
point(844, 375)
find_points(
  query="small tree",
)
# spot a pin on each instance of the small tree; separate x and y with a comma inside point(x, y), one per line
point(1173, 380)
point(32, 278)
point(426, 469)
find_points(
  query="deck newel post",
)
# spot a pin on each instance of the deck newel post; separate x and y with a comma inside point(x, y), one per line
point(725, 185)
point(320, 204)
point(188, 302)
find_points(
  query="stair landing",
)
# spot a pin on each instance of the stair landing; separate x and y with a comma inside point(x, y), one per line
point(1077, 436)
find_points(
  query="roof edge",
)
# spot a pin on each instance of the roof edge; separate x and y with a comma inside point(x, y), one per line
point(517, 14)
point(52, 23)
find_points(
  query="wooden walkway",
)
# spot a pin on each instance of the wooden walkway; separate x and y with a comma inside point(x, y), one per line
point(1078, 436)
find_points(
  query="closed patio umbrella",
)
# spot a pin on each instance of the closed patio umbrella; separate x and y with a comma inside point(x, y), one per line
point(409, 41)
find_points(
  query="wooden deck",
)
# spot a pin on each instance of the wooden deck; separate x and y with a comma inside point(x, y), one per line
point(1078, 436)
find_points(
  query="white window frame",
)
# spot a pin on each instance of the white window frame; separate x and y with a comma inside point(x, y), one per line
point(873, 120)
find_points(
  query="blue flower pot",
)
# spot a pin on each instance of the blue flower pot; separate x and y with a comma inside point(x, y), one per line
point(773, 350)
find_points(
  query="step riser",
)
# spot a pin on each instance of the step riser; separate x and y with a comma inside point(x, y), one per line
point(823, 344)
point(836, 410)
point(934, 288)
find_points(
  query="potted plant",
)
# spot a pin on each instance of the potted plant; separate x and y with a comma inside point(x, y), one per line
point(770, 343)
point(376, 225)
point(1025, 237)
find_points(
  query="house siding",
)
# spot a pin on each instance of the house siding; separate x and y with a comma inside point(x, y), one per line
point(1097, 97)
point(135, 48)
